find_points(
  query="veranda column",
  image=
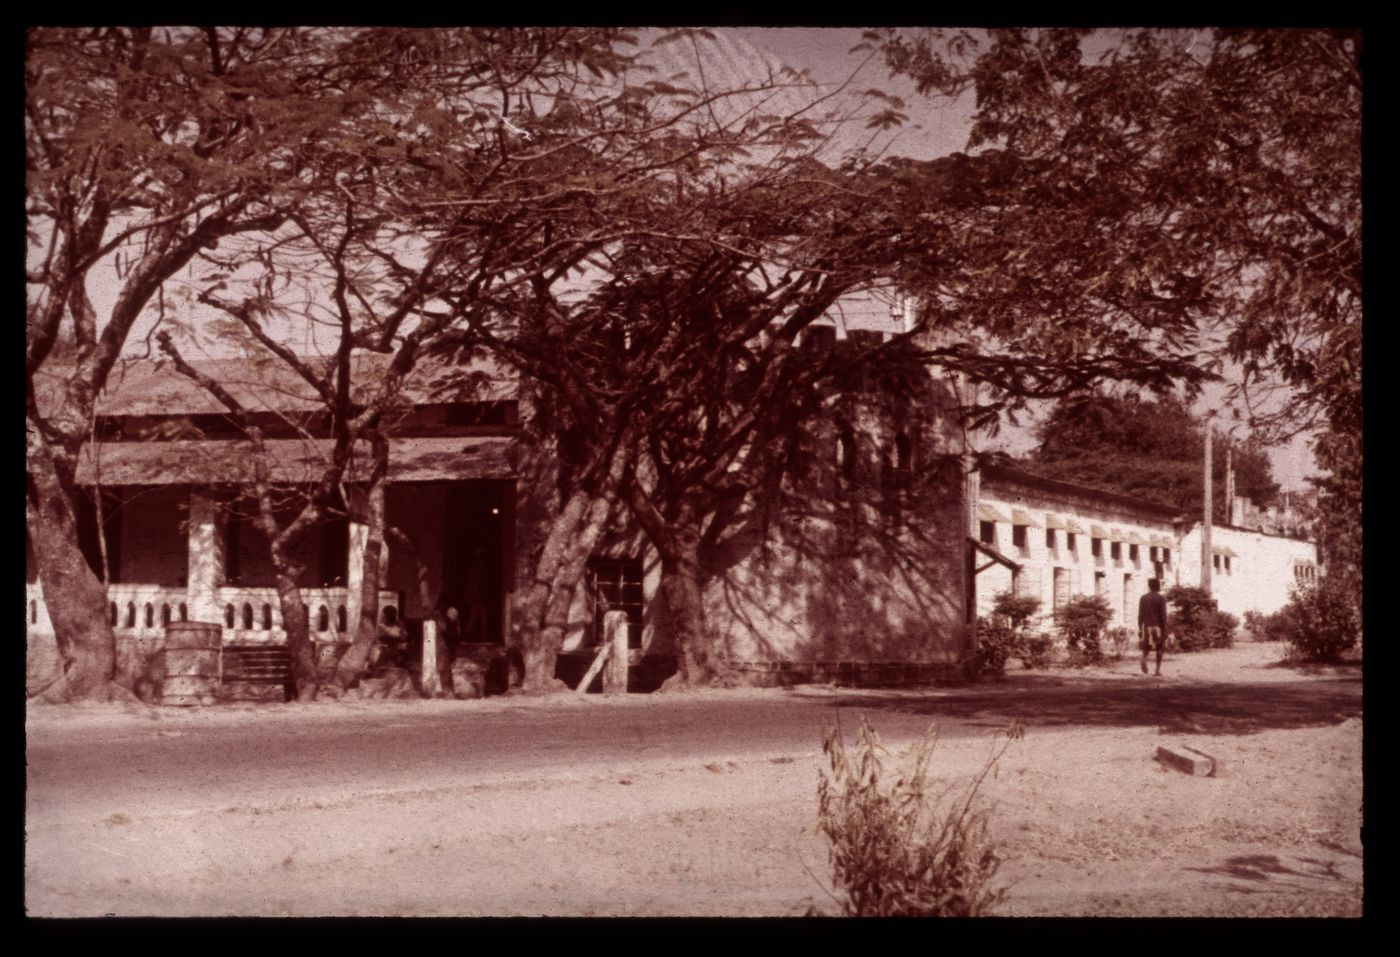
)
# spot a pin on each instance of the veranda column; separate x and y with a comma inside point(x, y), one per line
point(207, 559)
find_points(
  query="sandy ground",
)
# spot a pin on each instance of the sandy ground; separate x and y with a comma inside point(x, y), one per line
point(1086, 821)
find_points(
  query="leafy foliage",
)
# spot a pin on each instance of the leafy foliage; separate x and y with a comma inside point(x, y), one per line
point(1151, 449)
point(1197, 622)
point(1184, 179)
point(1082, 620)
point(1279, 626)
point(1321, 623)
point(896, 850)
point(1016, 609)
point(1004, 634)
point(996, 642)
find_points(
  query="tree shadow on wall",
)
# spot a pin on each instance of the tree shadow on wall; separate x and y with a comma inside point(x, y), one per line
point(870, 573)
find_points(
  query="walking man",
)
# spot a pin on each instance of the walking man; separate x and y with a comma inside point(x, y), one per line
point(1152, 622)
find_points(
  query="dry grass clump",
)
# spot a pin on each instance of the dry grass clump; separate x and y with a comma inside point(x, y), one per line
point(897, 850)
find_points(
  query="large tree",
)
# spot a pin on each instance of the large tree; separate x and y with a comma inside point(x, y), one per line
point(1211, 173)
point(143, 147)
point(674, 374)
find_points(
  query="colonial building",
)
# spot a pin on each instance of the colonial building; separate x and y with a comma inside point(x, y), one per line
point(857, 562)
point(871, 562)
point(1055, 540)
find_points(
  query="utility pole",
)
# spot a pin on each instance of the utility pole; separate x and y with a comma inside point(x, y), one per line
point(1205, 527)
point(1229, 484)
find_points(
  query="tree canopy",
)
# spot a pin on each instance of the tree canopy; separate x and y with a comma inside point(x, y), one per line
point(1209, 178)
point(1151, 449)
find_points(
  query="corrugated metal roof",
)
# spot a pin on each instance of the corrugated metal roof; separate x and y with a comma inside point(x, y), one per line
point(292, 461)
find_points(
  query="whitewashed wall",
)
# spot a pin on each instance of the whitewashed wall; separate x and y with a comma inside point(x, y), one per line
point(1262, 572)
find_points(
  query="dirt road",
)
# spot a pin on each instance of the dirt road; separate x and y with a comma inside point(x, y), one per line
point(701, 803)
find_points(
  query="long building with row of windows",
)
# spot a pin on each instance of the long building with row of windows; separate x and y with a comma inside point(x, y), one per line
point(1056, 540)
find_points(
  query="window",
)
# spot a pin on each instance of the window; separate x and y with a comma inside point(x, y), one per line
point(1069, 541)
point(1215, 562)
point(1227, 565)
point(1115, 549)
point(617, 586)
point(1133, 554)
point(1166, 556)
point(988, 533)
point(1050, 538)
point(1018, 536)
point(1096, 547)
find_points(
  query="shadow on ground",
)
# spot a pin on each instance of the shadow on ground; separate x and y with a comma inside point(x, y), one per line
point(1187, 708)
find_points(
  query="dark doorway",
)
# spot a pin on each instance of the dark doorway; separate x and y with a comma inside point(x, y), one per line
point(472, 576)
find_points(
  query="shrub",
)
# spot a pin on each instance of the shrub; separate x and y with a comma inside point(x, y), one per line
point(1323, 623)
point(1082, 620)
point(895, 851)
point(1016, 609)
point(1197, 622)
point(1280, 626)
point(996, 642)
point(1036, 650)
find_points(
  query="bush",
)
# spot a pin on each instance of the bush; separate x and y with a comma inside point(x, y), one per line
point(1323, 623)
point(1016, 609)
point(1280, 626)
point(1036, 650)
point(893, 851)
point(1197, 622)
point(1082, 620)
point(995, 643)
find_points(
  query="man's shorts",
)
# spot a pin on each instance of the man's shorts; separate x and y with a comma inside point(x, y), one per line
point(1154, 638)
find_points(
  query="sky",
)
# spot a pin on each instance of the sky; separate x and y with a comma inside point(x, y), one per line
point(938, 128)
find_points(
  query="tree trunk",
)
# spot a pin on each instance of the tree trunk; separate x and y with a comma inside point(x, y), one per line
point(683, 591)
point(573, 535)
point(352, 664)
point(296, 622)
point(560, 568)
point(76, 600)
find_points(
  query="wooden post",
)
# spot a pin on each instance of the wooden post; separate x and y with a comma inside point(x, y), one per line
point(615, 634)
point(432, 687)
point(604, 652)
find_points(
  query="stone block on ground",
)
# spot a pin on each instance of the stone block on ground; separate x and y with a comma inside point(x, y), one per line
point(1186, 759)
